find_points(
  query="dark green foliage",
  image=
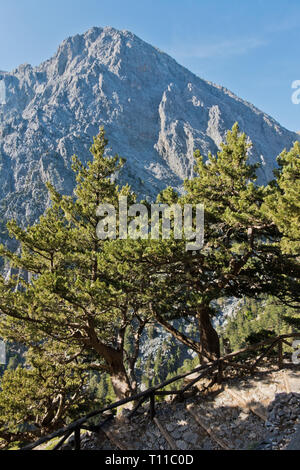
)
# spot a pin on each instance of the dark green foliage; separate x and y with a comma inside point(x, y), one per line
point(79, 305)
point(257, 320)
point(42, 396)
point(283, 202)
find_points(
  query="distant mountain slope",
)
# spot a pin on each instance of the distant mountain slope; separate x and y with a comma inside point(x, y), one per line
point(155, 112)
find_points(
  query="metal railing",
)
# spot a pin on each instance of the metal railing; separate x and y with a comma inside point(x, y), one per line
point(219, 365)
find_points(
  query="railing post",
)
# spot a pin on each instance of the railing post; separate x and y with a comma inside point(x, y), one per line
point(152, 406)
point(220, 372)
point(77, 439)
point(280, 354)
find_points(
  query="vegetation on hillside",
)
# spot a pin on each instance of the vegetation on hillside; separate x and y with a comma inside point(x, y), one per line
point(81, 307)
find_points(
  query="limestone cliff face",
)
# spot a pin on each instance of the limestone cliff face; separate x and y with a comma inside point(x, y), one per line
point(155, 112)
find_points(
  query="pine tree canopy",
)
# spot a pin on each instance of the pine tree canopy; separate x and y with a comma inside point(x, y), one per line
point(283, 202)
point(78, 303)
point(64, 289)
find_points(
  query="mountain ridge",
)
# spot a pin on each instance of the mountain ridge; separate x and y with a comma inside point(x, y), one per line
point(155, 111)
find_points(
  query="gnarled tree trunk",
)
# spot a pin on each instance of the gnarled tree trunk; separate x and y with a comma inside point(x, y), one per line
point(120, 381)
point(209, 339)
point(114, 358)
point(119, 377)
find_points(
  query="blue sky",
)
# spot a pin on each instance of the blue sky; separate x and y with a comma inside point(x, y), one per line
point(251, 47)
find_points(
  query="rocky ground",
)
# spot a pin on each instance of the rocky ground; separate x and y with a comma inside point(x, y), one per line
point(258, 412)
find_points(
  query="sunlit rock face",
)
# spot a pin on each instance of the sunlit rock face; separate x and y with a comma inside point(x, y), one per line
point(155, 112)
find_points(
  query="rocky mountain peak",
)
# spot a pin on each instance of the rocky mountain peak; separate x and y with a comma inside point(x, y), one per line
point(156, 113)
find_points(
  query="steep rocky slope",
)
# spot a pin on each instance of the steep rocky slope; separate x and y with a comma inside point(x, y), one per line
point(253, 413)
point(155, 111)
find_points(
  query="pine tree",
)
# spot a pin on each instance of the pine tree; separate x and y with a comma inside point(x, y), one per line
point(283, 202)
point(66, 289)
point(43, 395)
point(241, 254)
point(282, 205)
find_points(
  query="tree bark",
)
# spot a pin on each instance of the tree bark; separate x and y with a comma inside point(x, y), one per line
point(120, 380)
point(209, 339)
point(114, 358)
point(119, 377)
